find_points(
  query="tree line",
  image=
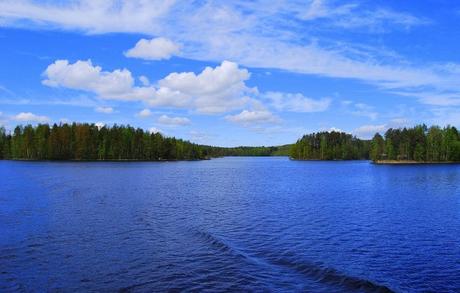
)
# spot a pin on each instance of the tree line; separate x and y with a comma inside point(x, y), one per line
point(82, 141)
point(90, 142)
point(258, 151)
point(330, 146)
point(420, 143)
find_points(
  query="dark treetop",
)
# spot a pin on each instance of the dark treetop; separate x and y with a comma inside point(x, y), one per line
point(330, 146)
point(419, 144)
point(80, 141)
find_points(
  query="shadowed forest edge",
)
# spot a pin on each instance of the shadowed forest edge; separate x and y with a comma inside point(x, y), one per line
point(82, 141)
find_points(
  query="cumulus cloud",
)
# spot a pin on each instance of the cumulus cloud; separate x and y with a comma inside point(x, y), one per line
point(144, 113)
point(30, 117)
point(105, 110)
point(247, 118)
point(214, 90)
point(144, 80)
point(154, 49)
point(173, 121)
point(239, 30)
point(296, 102)
point(82, 75)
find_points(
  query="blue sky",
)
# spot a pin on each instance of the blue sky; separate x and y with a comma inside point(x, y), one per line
point(231, 72)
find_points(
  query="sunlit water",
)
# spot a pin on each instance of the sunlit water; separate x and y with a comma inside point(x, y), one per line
point(237, 224)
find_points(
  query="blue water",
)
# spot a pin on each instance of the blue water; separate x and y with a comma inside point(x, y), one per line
point(235, 224)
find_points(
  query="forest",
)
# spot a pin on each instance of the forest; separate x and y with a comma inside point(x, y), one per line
point(330, 146)
point(81, 141)
point(420, 144)
point(259, 151)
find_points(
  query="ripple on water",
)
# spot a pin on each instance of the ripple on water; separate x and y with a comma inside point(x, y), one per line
point(232, 224)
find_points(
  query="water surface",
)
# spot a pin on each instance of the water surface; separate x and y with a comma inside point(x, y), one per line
point(241, 224)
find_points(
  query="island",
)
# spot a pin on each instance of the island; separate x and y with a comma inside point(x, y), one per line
point(327, 146)
point(416, 145)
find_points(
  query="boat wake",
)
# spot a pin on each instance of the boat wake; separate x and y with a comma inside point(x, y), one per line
point(310, 270)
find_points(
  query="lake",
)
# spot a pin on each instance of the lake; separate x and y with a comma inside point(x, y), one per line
point(229, 224)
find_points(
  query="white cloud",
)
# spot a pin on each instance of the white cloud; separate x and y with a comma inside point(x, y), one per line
point(214, 90)
point(379, 20)
point(99, 124)
point(445, 116)
point(351, 15)
point(368, 131)
point(82, 75)
point(361, 109)
point(155, 130)
point(239, 30)
point(319, 9)
point(433, 98)
point(154, 49)
point(335, 129)
point(144, 113)
point(166, 120)
point(2, 120)
point(247, 118)
point(92, 16)
point(296, 102)
point(6, 90)
point(253, 34)
point(30, 117)
point(198, 136)
point(105, 110)
point(144, 80)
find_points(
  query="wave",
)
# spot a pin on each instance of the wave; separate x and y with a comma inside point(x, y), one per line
point(331, 276)
point(314, 271)
point(217, 243)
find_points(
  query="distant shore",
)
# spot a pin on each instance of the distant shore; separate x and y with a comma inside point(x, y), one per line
point(411, 162)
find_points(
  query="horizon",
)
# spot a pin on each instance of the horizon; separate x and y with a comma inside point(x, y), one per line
point(231, 73)
point(10, 132)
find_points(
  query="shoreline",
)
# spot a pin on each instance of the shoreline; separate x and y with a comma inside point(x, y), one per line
point(411, 162)
point(111, 160)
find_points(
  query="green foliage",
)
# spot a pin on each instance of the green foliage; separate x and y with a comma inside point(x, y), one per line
point(377, 147)
point(4, 144)
point(419, 143)
point(248, 151)
point(89, 142)
point(330, 146)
